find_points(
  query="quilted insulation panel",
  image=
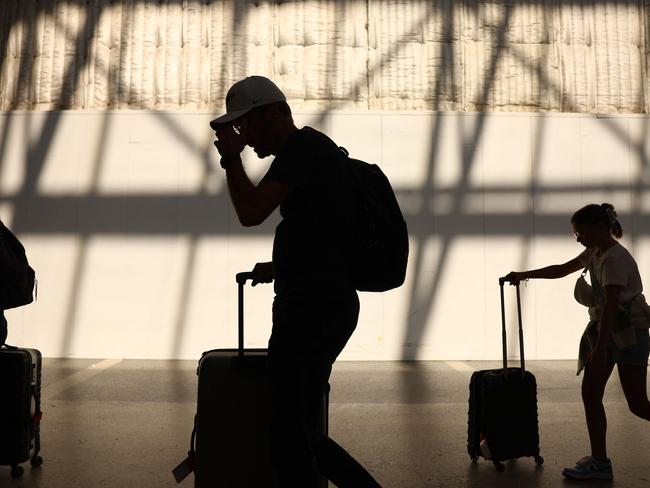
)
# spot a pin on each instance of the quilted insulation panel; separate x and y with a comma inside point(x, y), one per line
point(520, 55)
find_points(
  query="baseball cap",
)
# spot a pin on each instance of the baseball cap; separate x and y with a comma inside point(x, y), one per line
point(247, 94)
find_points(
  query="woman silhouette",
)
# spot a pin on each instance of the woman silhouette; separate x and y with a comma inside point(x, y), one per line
point(617, 332)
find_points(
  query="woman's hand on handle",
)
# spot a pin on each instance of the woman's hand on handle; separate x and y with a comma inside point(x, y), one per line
point(549, 272)
point(514, 277)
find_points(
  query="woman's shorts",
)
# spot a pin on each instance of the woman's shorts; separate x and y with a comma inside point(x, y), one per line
point(636, 354)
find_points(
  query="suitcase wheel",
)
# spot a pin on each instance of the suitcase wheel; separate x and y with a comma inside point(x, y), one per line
point(17, 471)
point(539, 460)
point(36, 461)
point(500, 467)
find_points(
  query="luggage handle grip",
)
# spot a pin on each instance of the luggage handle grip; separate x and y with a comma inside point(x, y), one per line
point(243, 277)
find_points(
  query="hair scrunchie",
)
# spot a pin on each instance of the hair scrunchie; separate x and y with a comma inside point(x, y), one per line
point(611, 215)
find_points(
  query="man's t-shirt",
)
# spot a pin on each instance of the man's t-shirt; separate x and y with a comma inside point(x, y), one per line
point(616, 266)
point(313, 240)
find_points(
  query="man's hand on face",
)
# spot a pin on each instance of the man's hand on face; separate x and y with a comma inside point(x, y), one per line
point(230, 140)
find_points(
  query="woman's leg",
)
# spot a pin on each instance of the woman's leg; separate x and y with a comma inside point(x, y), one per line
point(633, 381)
point(593, 389)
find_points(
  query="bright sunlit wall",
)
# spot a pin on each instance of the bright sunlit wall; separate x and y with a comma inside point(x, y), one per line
point(484, 114)
point(136, 245)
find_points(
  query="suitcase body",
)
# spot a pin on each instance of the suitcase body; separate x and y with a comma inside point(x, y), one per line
point(503, 412)
point(502, 418)
point(233, 417)
point(20, 409)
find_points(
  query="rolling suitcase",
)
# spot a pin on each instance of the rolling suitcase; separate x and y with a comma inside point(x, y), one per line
point(230, 442)
point(20, 408)
point(503, 420)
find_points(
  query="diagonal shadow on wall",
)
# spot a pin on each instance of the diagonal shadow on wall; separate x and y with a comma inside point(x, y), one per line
point(154, 214)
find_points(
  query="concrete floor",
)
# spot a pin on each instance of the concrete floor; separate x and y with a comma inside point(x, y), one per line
point(127, 424)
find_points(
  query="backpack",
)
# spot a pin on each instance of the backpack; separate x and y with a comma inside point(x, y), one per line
point(381, 238)
point(17, 278)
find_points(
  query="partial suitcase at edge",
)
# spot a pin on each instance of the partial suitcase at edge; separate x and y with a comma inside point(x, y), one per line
point(233, 416)
point(503, 422)
point(20, 409)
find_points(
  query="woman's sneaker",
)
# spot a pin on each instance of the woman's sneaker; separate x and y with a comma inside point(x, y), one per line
point(589, 468)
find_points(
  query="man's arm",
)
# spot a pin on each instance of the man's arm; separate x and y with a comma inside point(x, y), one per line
point(253, 204)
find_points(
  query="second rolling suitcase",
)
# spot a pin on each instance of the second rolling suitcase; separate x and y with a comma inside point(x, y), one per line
point(233, 416)
point(20, 407)
point(503, 421)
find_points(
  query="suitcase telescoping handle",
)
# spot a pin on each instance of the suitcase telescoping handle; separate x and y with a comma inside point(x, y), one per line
point(241, 279)
point(502, 281)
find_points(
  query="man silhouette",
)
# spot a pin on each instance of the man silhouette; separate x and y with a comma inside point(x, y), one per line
point(316, 306)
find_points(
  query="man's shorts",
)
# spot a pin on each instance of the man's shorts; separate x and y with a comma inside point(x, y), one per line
point(636, 354)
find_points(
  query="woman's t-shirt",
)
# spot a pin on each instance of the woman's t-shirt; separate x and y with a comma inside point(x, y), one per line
point(616, 266)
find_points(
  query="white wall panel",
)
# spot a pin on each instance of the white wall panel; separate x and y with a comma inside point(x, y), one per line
point(126, 219)
point(406, 149)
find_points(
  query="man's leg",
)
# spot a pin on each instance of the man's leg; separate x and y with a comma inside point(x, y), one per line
point(339, 467)
point(291, 453)
point(300, 365)
point(333, 461)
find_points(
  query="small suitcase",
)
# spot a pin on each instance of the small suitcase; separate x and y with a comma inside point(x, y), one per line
point(503, 421)
point(230, 443)
point(20, 408)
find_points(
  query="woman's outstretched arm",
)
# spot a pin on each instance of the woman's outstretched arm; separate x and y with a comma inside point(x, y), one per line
point(549, 272)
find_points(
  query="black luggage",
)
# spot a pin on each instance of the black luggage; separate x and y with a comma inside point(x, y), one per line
point(230, 443)
point(503, 421)
point(20, 408)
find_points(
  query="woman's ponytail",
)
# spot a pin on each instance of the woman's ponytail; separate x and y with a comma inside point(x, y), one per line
point(614, 225)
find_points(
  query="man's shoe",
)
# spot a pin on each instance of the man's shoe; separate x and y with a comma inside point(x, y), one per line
point(589, 468)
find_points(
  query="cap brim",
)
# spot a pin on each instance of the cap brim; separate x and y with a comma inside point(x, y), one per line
point(229, 117)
